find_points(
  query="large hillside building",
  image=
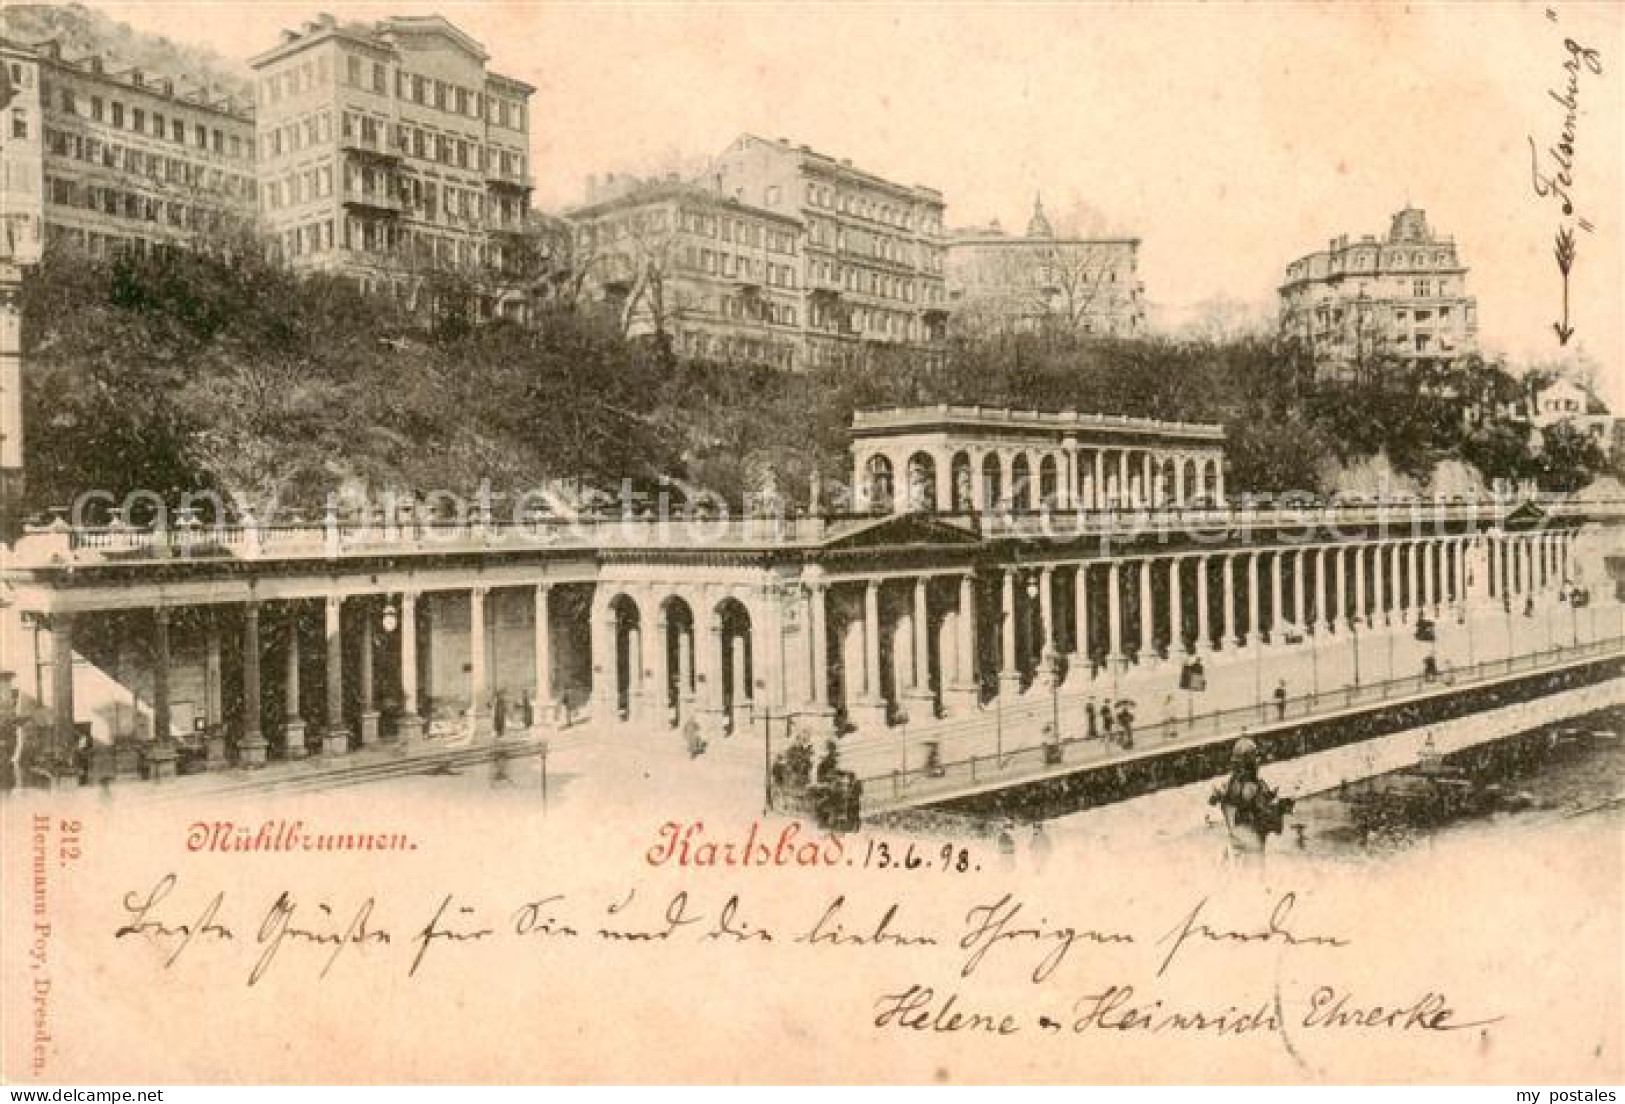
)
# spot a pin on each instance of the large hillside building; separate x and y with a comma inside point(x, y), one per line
point(389, 149)
point(998, 282)
point(1405, 297)
point(718, 279)
point(104, 157)
point(872, 252)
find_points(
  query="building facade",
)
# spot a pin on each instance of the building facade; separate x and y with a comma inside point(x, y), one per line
point(389, 149)
point(999, 283)
point(103, 157)
point(872, 254)
point(717, 278)
point(1565, 402)
point(1404, 297)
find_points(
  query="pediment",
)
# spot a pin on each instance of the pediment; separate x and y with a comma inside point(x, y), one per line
point(901, 531)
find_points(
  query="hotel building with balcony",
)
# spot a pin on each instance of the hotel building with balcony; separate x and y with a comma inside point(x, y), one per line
point(871, 262)
point(389, 149)
point(102, 156)
point(1403, 297)
point(720, 280)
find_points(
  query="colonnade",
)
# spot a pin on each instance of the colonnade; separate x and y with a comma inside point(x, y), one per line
point(876, 647)
point(1016, 477)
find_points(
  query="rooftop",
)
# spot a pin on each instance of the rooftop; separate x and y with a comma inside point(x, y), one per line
point(902, 418)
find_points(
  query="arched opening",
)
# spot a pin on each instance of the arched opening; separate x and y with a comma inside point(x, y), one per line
point(1021, 477)
point(1210, 483)
point(992, 483)
point(736, 664)
point(963, 486)
point(677, 691)
point(1165, 496)
point(1191, 488)
point(1048, 482)
point(922, 482)
point(628, 643)
point(878, 475)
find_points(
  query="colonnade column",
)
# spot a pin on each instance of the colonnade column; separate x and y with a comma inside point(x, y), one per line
point(1204, 639)
point(409, 723)
point(369, 713)
point(542, 654)
point(214, 736)
point(1383, 565)
point(477, 678)
point(1046, 613)
point(922, 692)
point(708, 666)
point(1276, 619)
point(1254, 636)
point(1148, 643)
point(1361, 608)
point(335, 737)
point(162, 756)
point(1097, 487)
point(964, 691)
point(1329, 597)
point(1080, 603)
point(1412, 580)
point(1114, 613)
point(871, 644)
point(1227, 622)
point(62, 703)
point(1425, 596)
point(293, 724)
point(1176, 608)
point(817, 645)
point(251, 744)
point(1340, 581)
point(1298, 615)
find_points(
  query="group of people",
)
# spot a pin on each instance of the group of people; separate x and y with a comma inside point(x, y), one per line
point(1115, 726)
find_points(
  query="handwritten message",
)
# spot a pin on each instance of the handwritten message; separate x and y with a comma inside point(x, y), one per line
point(319, 936)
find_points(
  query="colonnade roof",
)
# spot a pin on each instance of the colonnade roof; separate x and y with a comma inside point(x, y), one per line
point(991, 421)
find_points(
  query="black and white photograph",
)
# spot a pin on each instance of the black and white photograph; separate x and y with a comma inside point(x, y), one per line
point(964, 543)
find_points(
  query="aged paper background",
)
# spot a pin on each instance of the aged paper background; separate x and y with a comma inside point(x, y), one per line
point(1520, 931)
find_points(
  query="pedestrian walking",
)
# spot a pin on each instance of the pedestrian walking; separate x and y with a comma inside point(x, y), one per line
point(499, 714)
point(1280, 700)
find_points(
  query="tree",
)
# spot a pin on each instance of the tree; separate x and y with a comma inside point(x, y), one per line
point(1569, 458)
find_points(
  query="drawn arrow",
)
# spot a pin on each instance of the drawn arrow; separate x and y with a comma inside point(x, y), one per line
point(1564, 252)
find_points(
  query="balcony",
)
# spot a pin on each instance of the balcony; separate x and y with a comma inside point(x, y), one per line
point(376, 200)
point(496, 178)
point(379, 148)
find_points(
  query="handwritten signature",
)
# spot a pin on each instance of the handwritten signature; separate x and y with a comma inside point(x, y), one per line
point(1553, 176)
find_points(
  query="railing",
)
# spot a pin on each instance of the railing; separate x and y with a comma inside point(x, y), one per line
point(900, 416)
point(332, 537)
point(912, 784)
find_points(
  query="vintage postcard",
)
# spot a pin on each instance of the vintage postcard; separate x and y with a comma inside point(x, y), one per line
point(812, 543)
